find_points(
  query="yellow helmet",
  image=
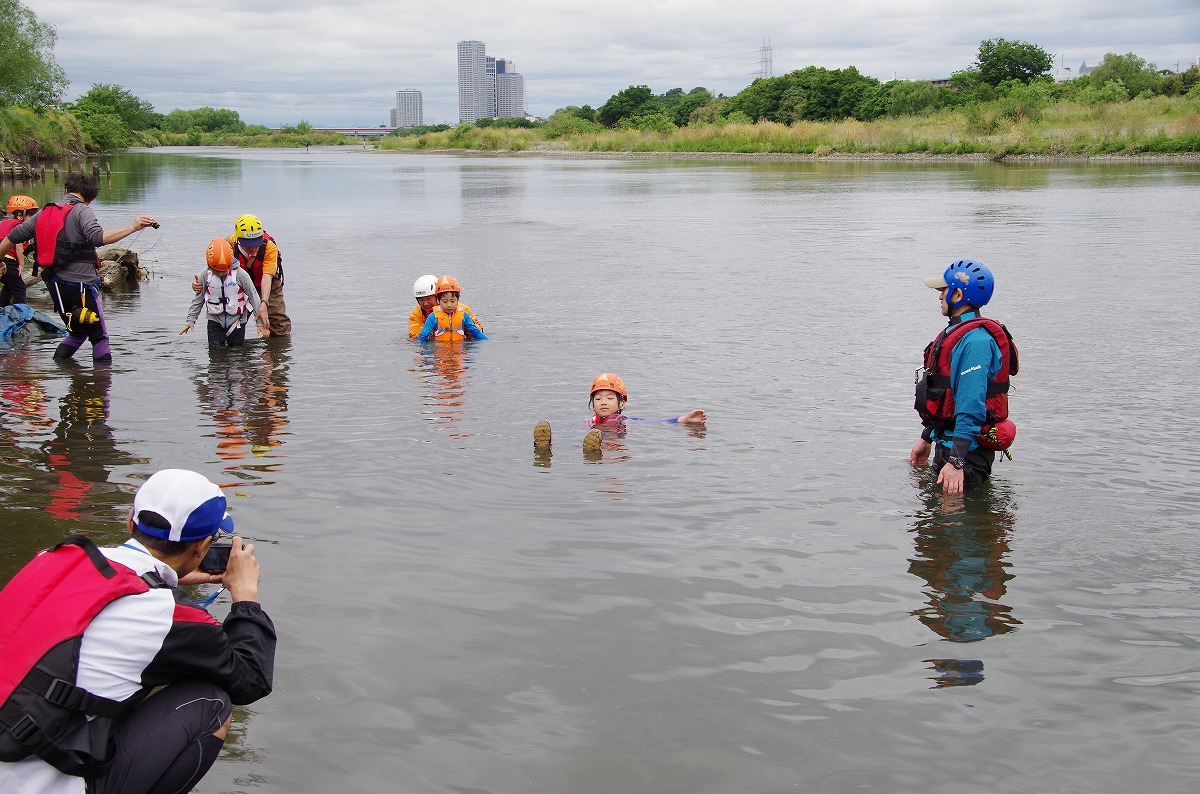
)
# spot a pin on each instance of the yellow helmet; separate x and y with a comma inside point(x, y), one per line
point(248, 227)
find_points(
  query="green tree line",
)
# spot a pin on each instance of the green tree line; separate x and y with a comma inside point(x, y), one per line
point(1011, 76)
point(1009, 81)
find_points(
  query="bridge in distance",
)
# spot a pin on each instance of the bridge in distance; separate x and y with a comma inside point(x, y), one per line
point(357, 132)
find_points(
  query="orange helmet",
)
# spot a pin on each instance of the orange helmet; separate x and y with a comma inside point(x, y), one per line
point(447, 284)
point(219, 255)
point(610, 381)
point(20, 203)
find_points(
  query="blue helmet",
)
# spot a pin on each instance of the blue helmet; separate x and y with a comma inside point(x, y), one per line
point(973, 278)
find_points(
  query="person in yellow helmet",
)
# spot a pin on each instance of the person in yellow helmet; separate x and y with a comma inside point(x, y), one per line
point(256, 251)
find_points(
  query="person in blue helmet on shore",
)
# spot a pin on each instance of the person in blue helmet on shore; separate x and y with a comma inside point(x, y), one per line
point(962, 389)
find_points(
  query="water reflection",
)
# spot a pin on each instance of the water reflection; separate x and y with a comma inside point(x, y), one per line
point(245, 392)
point(84, 448)
point(961, 546)
point(24, 403)
point(441, 370)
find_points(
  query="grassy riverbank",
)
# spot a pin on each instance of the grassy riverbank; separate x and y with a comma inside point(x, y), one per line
point(30, 136)
point(1157, 125)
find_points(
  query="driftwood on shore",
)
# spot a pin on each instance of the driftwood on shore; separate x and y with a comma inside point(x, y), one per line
point(119, 267)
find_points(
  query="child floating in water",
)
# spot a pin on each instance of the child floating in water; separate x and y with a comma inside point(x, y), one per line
point(608, 399)
point(229, 298)
point(449, 321)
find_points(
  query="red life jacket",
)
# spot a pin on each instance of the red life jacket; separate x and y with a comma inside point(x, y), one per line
point(935, 398)
point(53, 248)
point(44, 612)
point(5, 228)
point(255, 265)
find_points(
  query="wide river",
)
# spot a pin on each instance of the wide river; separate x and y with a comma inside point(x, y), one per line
point(773, 602)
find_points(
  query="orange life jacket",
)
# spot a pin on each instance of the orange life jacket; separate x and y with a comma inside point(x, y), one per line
point(449, 329)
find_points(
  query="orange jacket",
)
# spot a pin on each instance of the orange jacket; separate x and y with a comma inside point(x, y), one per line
point(416, 320)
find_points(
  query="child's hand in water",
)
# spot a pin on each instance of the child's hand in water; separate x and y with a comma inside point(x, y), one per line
point(695, 417)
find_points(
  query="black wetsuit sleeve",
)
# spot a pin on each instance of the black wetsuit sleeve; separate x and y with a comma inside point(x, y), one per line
point(238, 656)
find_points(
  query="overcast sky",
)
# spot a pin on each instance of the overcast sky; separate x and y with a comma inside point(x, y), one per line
point(340, 64)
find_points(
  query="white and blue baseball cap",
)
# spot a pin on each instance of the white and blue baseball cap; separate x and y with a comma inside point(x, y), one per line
point(192, 507)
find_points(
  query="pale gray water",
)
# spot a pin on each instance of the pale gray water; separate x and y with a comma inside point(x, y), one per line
point(776, 603)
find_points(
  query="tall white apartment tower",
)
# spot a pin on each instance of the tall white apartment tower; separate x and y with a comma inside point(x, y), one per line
point(474, 88)
point(510, 95)
point(410, 110)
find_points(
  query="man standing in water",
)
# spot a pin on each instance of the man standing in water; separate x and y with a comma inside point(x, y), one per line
point(67, 237)
point(962, 390)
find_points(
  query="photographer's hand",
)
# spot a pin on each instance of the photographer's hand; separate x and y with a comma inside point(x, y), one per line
point(242, 574)
point(200, 577)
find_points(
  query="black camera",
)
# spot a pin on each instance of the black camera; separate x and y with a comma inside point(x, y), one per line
point(217, 558)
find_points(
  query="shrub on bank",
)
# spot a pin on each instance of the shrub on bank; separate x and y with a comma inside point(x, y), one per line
point(39, 135)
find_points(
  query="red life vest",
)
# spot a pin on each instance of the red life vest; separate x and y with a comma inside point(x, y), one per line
point(5, 228)
point(53, 248)
point(935, 398)
point(255, 265)
point(44, 612)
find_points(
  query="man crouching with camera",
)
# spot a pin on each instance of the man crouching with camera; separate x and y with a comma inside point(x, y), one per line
point(111, 679)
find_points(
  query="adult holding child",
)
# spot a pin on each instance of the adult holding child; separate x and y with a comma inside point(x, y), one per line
point(67, 236)
point(256, 251)
point(425, 291)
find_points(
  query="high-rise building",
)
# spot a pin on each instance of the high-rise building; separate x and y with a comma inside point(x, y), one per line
point(488, 88)
point(473, 85)
point(409, 110)
point(510, 96)
point(491, 86)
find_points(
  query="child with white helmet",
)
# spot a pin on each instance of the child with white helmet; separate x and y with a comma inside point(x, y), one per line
point(608, 398)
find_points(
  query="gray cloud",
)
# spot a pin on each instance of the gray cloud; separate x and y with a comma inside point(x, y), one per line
point(341, 63)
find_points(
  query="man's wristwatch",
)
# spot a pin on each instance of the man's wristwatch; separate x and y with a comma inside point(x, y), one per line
point(957, 463)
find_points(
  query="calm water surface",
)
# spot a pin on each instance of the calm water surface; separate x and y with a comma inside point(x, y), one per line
point(775, 602)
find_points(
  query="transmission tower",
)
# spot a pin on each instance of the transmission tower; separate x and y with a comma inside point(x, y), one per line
point(765, 66)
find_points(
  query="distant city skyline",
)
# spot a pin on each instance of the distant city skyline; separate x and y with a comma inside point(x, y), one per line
point(488, 87)
point(355, 58)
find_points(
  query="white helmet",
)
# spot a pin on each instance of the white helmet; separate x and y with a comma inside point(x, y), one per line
point(425, 286)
